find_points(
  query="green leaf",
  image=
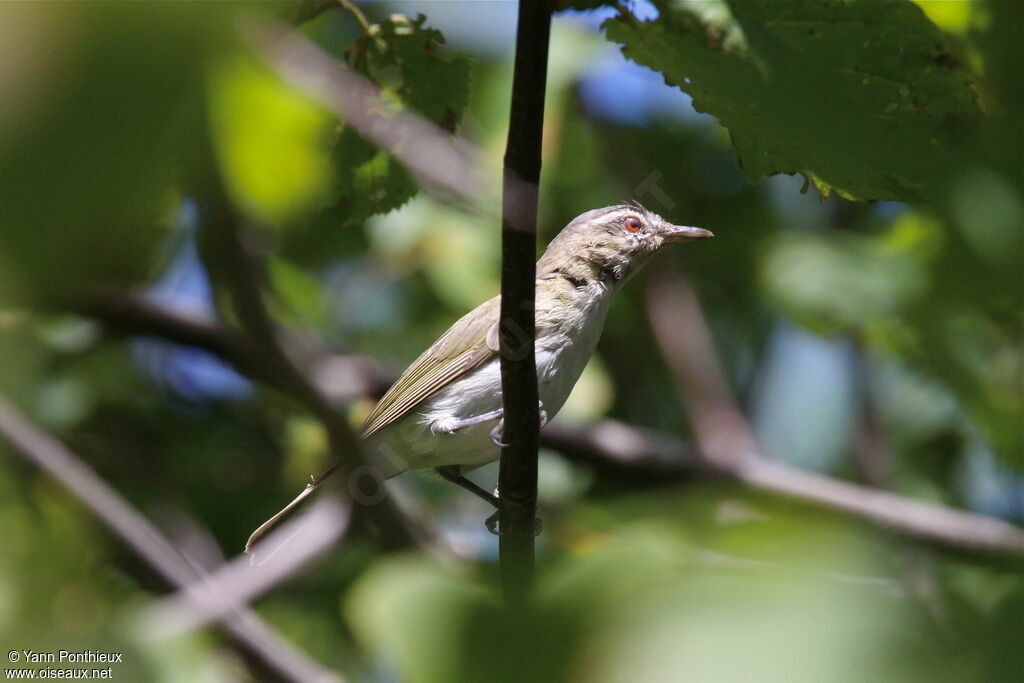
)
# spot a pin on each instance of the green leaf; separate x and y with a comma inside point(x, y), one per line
point(844, 282)
point(273, 142)
point(99, 114)
point(406, 60)
point(426, 644)
point(863, 98)
point(371, 180)
point(901, 292)
point(299, 293)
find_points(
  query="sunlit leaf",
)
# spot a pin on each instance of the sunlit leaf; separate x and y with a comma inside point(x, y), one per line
point(863, 97)
point(409, 63)
point(950, 15)
point(273, 141)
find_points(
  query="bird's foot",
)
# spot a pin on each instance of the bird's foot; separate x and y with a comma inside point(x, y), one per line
point(497, 434)
point(452, 425)
point(492, 525)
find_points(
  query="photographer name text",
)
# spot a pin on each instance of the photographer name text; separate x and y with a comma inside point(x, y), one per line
point(69, 657)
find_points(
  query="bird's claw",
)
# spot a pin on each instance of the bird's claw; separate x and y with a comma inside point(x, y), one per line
point(496, 434)
point(492, 525)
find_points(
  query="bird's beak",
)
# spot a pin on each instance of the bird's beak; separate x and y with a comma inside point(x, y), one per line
point(684, 233)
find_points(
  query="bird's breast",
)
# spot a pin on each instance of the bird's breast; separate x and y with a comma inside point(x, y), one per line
point(564, 349)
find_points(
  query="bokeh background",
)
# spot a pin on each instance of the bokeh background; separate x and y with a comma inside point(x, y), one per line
point(878, 342)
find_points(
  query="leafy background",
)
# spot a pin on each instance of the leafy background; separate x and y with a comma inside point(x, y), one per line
point(758, 120)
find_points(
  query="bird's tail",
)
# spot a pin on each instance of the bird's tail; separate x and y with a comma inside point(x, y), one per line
point(289, 508)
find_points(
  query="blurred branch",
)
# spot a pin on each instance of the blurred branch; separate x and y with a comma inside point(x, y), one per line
point(245, 629)
point(927, 522)
point(727, 444)
point(517, 476)
point(240, 581)
point(137, 316)
point(626, 452)
point(650, 457)
point(723, 435)
point(439, 161)
point(339, 376)
point(236, 262)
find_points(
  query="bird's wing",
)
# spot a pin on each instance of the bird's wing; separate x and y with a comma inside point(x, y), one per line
point(470, 342)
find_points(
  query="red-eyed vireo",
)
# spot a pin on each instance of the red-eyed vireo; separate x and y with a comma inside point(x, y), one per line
point(444, 411)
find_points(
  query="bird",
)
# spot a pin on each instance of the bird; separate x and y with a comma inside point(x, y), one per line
point(445, 411)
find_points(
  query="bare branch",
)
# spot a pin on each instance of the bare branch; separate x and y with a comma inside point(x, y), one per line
point(340, 377)
point(727, 444)
point(248, 632)
point(237, 264)
point(721, 429)
point(240, 581)
point(441, 162)
point(517, 478)
point(649, 457)
point(138, 316)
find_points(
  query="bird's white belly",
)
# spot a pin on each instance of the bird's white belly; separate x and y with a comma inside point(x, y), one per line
point(561, 358)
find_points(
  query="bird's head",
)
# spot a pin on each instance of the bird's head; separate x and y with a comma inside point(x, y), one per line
point(612, 242)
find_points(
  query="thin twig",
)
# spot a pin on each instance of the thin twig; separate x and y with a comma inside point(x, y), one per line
point(517, 478)
point(249, 633)
point(360, 18)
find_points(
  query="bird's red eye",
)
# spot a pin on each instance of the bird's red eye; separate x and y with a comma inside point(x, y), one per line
point(633, 224)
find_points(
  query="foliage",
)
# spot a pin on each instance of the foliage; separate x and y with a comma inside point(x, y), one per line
point(111, 204)
point(825, 312)
point(407, 61)
point(647, 601)
point(861, 97)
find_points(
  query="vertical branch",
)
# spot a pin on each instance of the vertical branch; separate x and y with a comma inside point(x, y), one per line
point(721, 430)
point(517, 479)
